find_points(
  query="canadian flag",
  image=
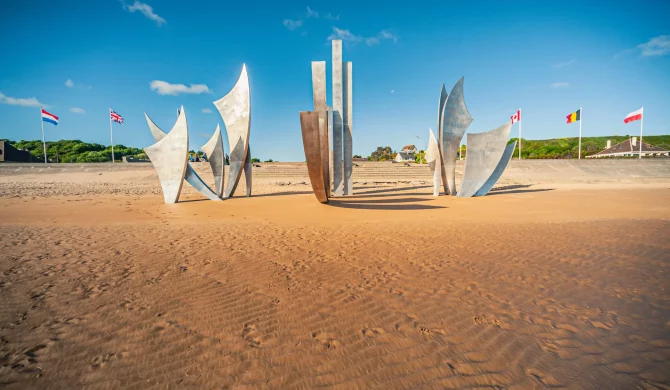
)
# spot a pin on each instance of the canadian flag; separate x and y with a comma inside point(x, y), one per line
point(634, 116)
point(516, 117)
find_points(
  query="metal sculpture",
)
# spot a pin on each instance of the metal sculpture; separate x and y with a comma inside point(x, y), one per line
point(169, 157)
point(217, 159)
point(485, 151)
point(312, 127)
point(440, 137)
point(455, 121)
point(190, 175)
point(247, 171)
point(338, 185)
point(500, 168)
point(235, 109)
point(347, 129)
point(433, 160)
point(319, 93)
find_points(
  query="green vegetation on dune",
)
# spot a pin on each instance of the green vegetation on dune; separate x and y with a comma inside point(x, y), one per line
point(76, 151)
point(566, 148)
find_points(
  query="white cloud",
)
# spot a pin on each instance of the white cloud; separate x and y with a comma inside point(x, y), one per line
point(206, 111)
point(77, 110)
point(393, 91)
point(330, 16)
point(564, 64)
point(348, 36)
point(145, 9)
point(560, 85)
point(23, 102)
point(312, 14)
point(292, 24)
point(165, 88)
point(69, 83)
point(658, 46)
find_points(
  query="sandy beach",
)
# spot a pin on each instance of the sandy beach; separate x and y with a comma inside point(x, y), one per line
point(554, 280)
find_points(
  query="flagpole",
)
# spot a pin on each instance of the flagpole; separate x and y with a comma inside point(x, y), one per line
point(44, 144)
point(641, 122)
point(111, 137)
point(581, 118)
point(519, 133)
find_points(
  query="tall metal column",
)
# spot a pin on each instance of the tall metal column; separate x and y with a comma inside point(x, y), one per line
point(348, 128)
point(337, 119)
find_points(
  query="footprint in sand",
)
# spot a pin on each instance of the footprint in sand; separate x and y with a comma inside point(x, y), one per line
point(327, 340)
point(249, 334)
point(373, 333)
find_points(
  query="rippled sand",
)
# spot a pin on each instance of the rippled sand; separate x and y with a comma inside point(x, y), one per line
point(533, 286)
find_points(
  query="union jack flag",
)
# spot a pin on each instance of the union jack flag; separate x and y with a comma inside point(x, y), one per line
point(115, 116)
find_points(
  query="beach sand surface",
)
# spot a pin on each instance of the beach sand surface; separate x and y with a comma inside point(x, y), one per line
point(538, 285)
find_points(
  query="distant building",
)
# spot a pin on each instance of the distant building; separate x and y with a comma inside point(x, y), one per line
point(11, 154)
point(630, 148)
point(406, 154)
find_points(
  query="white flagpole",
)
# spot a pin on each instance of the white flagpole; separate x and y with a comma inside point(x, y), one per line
point(581, 117)
point(641, 122)
point(111, 137)
point(519, 133)
point(44, 144)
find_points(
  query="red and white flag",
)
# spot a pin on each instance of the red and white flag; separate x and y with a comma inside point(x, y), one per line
point(516, 117)
point(633, 116)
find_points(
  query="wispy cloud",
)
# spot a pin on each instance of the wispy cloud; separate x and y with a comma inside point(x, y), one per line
point(69, 83)
point(145, 9)
point(165, 88)
point(292, 24)
point(206, 111)
point(23, 102)
point(312, 14)
point(655, 47)
point(77, 110)
point(351, 38)
point(562, 84)
point(564, 64)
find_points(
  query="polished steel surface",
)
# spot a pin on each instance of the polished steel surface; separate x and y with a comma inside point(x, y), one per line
point(235, 109)
point(248, 166)
point(500, 168)
point(217, 159)
point(191, 176)
point(338, 184)
point(319, 92)
point(348, 128)
point(485, 151)
point(169, 157)
point(440, 136)
point(309, 124)
point(433, 160)
point(455, 121)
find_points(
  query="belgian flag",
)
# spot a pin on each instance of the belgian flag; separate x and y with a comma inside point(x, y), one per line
point(575, 116)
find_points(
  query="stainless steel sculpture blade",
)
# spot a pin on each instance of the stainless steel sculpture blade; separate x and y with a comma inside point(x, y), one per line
point(191, 176)
point(235, 109)
point(440, 136)
point(500, 168)
point(248, 165)
point(485, 151)
point(169, 157)
point(319, 92)
point(309, 124)
point(455, 121)
point(347, 138)
point(433, 160)
point(216, 158)
point(338, 185)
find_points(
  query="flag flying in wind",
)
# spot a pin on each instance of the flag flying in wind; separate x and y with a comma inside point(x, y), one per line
point(574, 117)
point(633, 116)
point(48, 117)
point(115, 117)
point(516, 117)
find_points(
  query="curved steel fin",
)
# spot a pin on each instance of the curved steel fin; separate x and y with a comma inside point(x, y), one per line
point(500, 168)
point(235, 110)
point(440, 112)
point(433, 160)
point(455, 121)
point(309, 124)
point(216, 158)
point(484, 153)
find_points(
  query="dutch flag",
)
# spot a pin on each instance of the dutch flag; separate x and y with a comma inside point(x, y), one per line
point(48, 117)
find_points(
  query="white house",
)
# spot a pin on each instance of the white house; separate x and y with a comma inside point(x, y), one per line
point(406, 154)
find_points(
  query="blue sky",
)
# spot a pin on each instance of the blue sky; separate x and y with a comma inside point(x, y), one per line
point(549, 58)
